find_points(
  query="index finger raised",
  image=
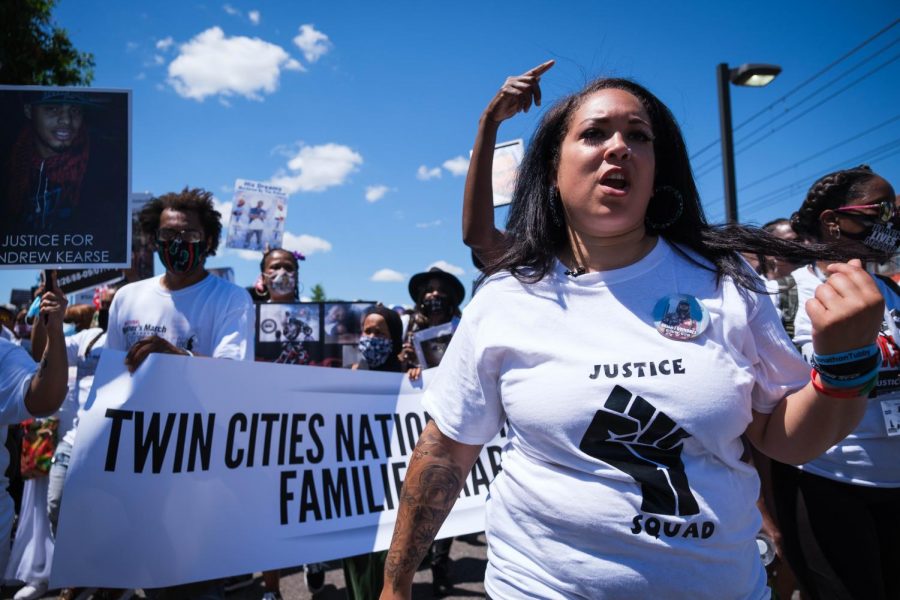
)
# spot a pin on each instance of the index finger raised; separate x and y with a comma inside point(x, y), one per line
point(541, 68)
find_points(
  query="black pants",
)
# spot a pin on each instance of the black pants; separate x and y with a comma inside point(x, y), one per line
point(856, 529)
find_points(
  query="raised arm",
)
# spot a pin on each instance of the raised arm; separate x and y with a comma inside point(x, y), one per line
point(517, 94)
point(846, 314)
point(433, 481)
point(50, 384)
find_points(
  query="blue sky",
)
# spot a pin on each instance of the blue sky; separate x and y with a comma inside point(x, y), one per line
point(360, 108)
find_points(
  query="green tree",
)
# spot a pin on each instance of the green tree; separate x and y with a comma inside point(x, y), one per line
point(317, 293)
point(34, 51)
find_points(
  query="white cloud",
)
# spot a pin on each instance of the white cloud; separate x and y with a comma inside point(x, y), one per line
point(231, 10)
point(254, 16)
point(158, 59)
point(131, 46)
point(457, 166)
point(387, 275)
point(429, 224)
point(211, 64)
point(314, 44)
point(374, 193)
point(165, 43)
point(316, 168)
point(443, 265)
point(424, 173)
point(141, 76)
point(305, 244)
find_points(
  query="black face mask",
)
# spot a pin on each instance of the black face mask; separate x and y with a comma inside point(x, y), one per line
point(882, 238)
point(434, 304)
point(103, 318)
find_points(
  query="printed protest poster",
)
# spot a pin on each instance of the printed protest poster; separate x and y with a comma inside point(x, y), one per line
point(430, 344)
point(310, 333)
point(507, 158)
point(257, 216)
point(204, 468)
point(64, 178)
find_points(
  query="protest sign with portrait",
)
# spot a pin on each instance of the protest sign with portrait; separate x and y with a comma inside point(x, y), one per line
point(257, 217)
point(430, 344)
point(64, 178)
point(310, 333)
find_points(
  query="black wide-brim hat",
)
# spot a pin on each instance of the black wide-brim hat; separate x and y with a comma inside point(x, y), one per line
point(418, 281)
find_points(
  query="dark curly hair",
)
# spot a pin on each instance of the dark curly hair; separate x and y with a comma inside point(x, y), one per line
point(827, 193)
point(194, 200)
point(534, 238)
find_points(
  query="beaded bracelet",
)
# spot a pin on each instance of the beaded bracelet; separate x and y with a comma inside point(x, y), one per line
point(844, 393)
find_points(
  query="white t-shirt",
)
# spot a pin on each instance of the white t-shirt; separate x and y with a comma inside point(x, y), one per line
point(212, 317)
point(868, 456)
point(85, 365)
point(571, 363)
point(16, 370)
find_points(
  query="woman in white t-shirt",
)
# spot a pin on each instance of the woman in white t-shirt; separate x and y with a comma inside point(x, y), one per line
point(623, 476)
point(851, 493)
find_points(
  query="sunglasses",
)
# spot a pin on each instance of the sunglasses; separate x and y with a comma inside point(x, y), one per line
point(887, 210)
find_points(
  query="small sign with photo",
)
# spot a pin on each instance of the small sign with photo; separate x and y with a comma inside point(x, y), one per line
point(257, 216)
point(309, 333)
point(431, 343)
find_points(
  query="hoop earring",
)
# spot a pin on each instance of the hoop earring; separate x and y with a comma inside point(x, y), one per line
point(658, 194)
point(556, 206)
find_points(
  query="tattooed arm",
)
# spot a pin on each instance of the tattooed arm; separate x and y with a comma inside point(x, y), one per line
point(50, 384)
point(433, 481)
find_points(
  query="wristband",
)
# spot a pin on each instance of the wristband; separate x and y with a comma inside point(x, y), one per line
point(849, 381)
point(844, 393)
point(849, 356)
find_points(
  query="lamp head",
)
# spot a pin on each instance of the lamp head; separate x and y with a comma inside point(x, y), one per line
point(754, 75)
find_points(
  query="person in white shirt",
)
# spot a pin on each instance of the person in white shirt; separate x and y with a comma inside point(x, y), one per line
point(851, 492)
point(623, 476)
point(187, 310)
point(30, 390)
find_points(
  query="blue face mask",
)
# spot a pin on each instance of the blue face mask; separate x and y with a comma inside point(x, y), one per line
point(68, 329)
point(376, 350)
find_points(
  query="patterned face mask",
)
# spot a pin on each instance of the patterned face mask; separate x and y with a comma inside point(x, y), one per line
point(281, 282)
point(179, 256)
point(375, 350)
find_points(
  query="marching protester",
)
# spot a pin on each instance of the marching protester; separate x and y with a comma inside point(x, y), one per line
point(623, 475)
point(437, 295)
point(379, 349)
point(851, 491)
point(279, 282)
point(186, 311)
point(29, 389)
point(32, 551)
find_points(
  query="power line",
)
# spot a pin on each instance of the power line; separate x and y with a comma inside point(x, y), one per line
point(856, 81)
point(821, 152)
point(803, 84)
point(784, 192)
point(713, 164)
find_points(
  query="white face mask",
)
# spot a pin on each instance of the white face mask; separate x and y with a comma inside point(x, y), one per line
point(281, 282)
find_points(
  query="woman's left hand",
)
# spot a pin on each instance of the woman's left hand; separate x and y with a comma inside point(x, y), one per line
point(846, 311)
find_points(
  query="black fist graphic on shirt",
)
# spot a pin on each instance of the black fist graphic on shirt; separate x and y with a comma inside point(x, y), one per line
point(633, 436)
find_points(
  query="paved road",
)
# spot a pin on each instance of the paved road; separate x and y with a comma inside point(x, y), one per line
point(468, 557)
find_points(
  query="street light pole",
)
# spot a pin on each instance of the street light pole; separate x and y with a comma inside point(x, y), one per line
point(752, 75)
point(723, 78)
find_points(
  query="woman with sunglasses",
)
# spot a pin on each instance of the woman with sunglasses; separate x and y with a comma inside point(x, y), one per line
point(852, 491)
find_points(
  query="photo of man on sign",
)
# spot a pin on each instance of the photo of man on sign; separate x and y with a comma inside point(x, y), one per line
point(65, 181)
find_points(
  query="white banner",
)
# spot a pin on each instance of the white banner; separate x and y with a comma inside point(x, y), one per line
point(194, 469)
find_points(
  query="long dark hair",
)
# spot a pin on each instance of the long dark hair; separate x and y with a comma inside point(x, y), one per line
point(534, 239)
point(827, 193)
